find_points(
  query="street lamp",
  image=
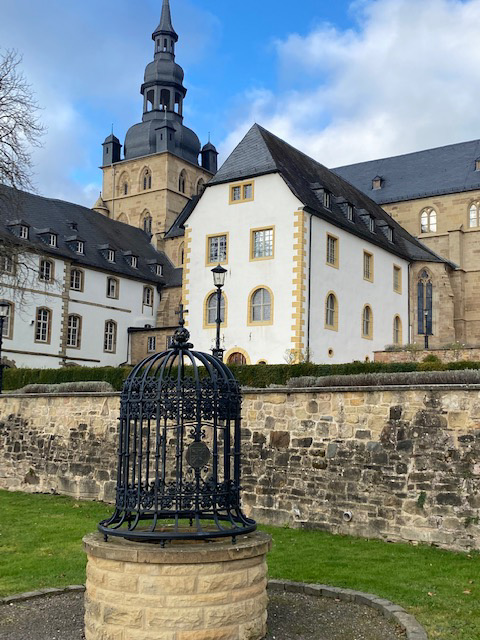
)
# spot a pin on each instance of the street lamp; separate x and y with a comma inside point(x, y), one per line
point(426, 331)
point(218, 280)
point(4, 306)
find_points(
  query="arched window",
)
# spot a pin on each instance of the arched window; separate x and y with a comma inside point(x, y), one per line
point(211, 309)
point(165, 100)
point(146, 179)
point(397, 330)
point(424, 303)
point(181, 253)
point(200, 186)
point(428, 220)
point(74, 330)
point(7, 327)
point(112, 288)
point(182, 181)
point(331, 312)
point(367, 322)
point(123, 218)
point(110, 336)
point(147, 222)
point(46, 271)
point(43, 324)
point(260, 307)
point(148, 296)
point(473, 218)
point(76, 280)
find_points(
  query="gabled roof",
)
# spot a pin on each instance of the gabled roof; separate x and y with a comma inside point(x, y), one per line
point(95, 231)
point(449, 169)
point(260, 152)
point(177, 229)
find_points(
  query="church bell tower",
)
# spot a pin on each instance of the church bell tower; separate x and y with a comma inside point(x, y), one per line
point(160, 170)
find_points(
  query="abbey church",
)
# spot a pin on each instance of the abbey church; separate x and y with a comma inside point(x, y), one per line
point(329, 265)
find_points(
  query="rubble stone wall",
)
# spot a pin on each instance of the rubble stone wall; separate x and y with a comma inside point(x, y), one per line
point(399, 463)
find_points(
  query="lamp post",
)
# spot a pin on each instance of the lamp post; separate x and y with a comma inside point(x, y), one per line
point(426, 331)
point(3, 314)
point(218, 280)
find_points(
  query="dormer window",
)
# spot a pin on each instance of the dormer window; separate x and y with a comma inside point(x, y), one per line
point(477, 164)
point(371, 224)
point(377, 183)
point(327, 199)
point(350, 212)
point(111, 255)
point(158, 269)
point(390, 234)
point(80, 246)
point(24, 232)
point(52, 239)
point(134, 261)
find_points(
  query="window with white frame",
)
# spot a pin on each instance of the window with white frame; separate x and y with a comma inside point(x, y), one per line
point(134, 261)
point(367, 266)
point(428, 220)
point(474, 217)
point(73, 331)
point(332, 250)
point(367, 322)
point(43, 325)
point(76, 280)
point(112, 288)
point(211, 311)
point(262, 243)
point(331, 312)
point(158, 269)
point(46, 271)
point(80, 246)
point(110, 337)
point(350, 212)
point(24, 232)
point(261, 306)
point(217, 249)
point(151, 344)
point(148, 296)
point(52, 240)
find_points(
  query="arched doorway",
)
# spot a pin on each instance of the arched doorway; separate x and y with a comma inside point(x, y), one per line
point(236, 358)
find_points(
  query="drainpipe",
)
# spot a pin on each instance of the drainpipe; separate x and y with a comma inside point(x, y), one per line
point(410, 325)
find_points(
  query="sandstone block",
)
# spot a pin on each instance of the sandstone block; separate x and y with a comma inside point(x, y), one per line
point(227, 633)
point(176, 619)
point(223, 582)
point(122, 617)
point(164, 585)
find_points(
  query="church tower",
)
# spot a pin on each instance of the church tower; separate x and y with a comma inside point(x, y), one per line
point(160, 170)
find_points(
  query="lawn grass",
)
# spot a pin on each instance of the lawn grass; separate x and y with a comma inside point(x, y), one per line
point(40, 546)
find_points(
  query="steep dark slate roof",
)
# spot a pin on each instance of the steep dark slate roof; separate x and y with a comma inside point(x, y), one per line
point(177, 229)
point(260, 152)
point(95, 230)
point(443, 170)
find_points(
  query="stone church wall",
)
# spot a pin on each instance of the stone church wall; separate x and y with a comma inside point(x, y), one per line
point(399, 463)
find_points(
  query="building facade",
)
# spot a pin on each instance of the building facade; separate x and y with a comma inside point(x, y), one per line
point(315, 269)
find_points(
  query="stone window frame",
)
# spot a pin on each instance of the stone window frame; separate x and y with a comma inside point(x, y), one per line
point(148, 296)
point(117, 288)
point(256, 323)
point(200, 187)
point(145, 179)
point(182, 181)
point(475, 206)
point(41, 270)
point(367, 309)
point(253, 232)
point(397, 286)
point(78, 329)
point(48, 325)
point(397, 330)
point(147, 221)
point(80, 289)
point(209, 304)
point(209, 238)
point(151, 344)
point(428, 220)
point(8, 265)
point(241, 189)
point(11, 318)
point(332, 242)
point(368, 266)
point(425, 279)
point(331, 326)
point(110, 331)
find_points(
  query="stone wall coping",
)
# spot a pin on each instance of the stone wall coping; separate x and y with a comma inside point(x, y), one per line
point(413, 628)
point(121, 550)
point(272, 390)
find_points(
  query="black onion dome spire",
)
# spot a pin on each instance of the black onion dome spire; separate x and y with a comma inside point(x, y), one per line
point(163, 92)
point(165, 27)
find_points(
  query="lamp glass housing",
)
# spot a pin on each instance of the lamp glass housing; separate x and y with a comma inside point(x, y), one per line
point(219, 276)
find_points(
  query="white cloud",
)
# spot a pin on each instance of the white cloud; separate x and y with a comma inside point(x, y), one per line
point(406, 78)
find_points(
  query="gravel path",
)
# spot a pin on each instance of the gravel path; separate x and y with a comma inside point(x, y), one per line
point(291, 617)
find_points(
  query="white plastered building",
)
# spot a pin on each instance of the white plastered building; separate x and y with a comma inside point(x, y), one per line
point(315, 269)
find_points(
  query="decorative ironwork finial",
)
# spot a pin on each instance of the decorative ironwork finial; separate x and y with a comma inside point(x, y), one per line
point(181, 335)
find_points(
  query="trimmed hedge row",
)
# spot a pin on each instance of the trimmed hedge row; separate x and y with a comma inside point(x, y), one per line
point(259, 375)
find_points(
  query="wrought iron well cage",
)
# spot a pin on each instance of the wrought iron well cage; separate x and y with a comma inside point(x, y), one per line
point(179, 454)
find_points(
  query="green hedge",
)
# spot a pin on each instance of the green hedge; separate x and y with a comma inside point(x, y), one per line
point(259, 375)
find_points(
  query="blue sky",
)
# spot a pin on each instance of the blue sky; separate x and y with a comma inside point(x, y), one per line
point(344, 81)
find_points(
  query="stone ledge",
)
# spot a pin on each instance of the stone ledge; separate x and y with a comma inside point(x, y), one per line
point(413, 628)
point(247, 546)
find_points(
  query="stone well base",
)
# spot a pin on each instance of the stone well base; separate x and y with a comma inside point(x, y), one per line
point(196, 591)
